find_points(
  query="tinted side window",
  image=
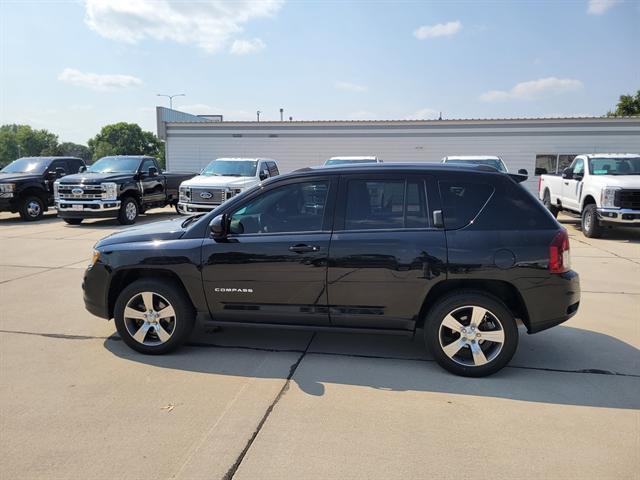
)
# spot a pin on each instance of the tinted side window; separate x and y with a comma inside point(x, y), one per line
point(375, 204)
point(59, 164)
point(461, 202)
point(298, 207)
point(273, 169)
point(146, 163)
point(74, 165)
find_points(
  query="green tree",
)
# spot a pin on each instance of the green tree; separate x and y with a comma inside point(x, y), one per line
point(74, 150)
point(23, 141)
point(125, 139)
point(628, 105)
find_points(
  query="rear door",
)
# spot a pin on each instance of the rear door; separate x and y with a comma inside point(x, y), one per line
point(385, 252)
point(272, 267)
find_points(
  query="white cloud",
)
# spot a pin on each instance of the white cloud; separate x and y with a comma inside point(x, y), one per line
point(245, 47)
point(95, 81)
point(598, 7)
point(209, 24)
point(350, 87)
point(438, 30)
point(534, 89)
point(424, 114)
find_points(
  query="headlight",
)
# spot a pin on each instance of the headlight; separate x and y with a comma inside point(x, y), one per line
point(608, 197)
point(185, 194)
point(236, 191)
point(95, 257)
point(109, 191)
point(56, 186)
point(7, 187)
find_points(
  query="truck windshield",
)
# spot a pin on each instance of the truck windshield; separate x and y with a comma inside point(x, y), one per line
point(115, 165)
point(231, 168)
point(492, 162)
point(346, 161)
point(27, 165)
point(614, 166)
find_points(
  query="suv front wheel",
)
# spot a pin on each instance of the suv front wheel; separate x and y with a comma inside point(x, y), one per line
point(471, 333)
point(154, 317)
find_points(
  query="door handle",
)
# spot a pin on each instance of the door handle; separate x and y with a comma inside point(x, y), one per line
point(301, 248)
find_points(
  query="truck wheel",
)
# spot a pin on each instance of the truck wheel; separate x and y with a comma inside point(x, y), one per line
point(31, 208)
point(154, 317)
point(547, 203)
point(73, 221)
point(128, 211)
point(470, 333)
point(590, 224)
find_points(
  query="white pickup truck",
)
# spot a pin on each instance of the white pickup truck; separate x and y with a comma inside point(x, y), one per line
point(222, 179)
point(603, 188)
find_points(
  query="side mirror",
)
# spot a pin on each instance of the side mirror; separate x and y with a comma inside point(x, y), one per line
point(57, 172)
point(264, 174)
point(523, 171)
point(219, 227)
point(82, 169)
point(153, 172)
point(567, 173)
point(578, 176)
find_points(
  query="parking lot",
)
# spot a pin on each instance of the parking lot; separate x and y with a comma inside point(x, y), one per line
point(246, 404)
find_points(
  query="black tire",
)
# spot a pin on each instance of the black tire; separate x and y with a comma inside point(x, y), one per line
point(73, 221)
point(547, 203)
point(31, 208)
point(179, 328)
point(590, 223)
point(463, 362)
point(129, 211)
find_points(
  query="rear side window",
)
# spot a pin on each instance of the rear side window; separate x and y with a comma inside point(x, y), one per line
point(462, 201)
point(273, 169)
point(390, 204)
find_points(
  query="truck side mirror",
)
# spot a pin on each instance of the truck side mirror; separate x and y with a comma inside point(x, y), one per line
point(264, 174)
point(567, 173)
point(523, 171)
point(153, 172)
point(82, 169)
point(219, 227)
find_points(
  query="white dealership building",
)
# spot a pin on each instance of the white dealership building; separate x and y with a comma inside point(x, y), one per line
point(535, 144)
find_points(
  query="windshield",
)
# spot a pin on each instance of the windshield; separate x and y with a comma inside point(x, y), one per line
point(492, 162)
point(115, 165)
point(614, 166)
point(345, 161)
point(231, 168)
point(27, 165)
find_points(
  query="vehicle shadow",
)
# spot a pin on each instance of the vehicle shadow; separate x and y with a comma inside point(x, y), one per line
point(395, 364)
point(621, 234)
point(112, 223)
point(11, 219)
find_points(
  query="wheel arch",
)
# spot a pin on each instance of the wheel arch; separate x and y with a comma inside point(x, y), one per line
point(588, 200)
point(502, 290)
point(37, 192)
point(124, 278)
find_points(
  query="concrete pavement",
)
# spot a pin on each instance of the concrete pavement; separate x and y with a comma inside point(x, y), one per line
point(75, 402)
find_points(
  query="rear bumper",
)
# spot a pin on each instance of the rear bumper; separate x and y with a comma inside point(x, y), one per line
point(554, 302)
point(88, 208)
point(619, 216)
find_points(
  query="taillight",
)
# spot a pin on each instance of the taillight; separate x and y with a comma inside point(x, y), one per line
point(559, 257)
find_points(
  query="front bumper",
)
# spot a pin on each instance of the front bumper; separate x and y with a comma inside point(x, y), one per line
point(8, 204)
point(88, 208)
point(619, 216)
point(191, 208)
point(95, 288)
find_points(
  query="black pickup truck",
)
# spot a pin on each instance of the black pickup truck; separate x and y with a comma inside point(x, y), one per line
point(119, 187)
point(26, 184)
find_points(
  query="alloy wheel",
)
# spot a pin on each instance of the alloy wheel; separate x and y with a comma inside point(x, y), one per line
point(131, 211)
point(34, 209)
point(471, 336)
point(149, 318)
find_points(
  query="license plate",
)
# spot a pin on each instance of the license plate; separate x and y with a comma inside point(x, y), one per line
point(77, 207)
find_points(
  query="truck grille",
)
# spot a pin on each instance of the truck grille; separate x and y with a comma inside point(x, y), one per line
point(214, 196)
point(79, 192)
point(628, 199)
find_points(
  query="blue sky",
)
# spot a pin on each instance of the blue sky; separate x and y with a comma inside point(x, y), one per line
point(72, 67)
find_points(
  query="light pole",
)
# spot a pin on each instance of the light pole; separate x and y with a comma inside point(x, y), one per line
point(258, 114)
point(170, 97)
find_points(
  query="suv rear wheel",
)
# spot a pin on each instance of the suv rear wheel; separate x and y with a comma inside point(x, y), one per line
point(471, 333)
point(154, 317)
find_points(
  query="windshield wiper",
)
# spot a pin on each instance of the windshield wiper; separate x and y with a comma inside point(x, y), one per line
point(191, 219)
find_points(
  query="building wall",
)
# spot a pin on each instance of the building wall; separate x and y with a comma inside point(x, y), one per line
point(191, 147)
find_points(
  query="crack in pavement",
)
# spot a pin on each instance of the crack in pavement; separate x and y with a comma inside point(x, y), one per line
point(45, 270)
point(234, 468)
point(116, 338)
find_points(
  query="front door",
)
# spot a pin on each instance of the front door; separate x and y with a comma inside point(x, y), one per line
point(385, 252)
point(272, 266)
point(572, 187)
point(152, 187)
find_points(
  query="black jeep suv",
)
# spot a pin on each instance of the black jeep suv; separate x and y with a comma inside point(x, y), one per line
point(461, 252)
